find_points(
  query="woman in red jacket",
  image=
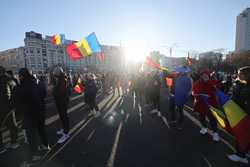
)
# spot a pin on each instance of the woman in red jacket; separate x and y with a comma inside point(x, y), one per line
point(206, 86)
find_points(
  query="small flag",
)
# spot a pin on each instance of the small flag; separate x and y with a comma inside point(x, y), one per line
point(169, 82)
point(100, 56)
point(189, 60)
point(58, 39)
point(77, 89)
point(84, 47)
point(150, 62)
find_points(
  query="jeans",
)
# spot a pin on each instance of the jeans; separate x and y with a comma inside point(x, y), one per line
point(10, 123)
point(212, 121)
point(62, 106)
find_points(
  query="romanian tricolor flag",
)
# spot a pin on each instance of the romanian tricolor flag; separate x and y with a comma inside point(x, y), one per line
point(150, 62)
point(238, 119)
point(189, 60)
point(58, 39)
point(84, 47)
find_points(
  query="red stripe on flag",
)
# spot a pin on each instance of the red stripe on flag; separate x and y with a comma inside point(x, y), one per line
point(73, 52)
point(241, 133)
point(53, 40)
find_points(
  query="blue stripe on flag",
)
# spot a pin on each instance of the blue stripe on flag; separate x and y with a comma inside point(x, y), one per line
point(62, 38)
point(93, 43)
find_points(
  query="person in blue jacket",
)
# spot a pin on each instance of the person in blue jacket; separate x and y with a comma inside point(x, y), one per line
point(182, 89)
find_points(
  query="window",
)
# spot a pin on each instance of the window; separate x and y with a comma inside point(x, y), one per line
point(32, 60)
point(38, 50)
point(31, 50)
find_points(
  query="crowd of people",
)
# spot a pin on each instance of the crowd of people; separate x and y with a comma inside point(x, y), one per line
point(24, 98)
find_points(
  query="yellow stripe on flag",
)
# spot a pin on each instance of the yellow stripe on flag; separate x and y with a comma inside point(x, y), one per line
point(58, 39)
point(220, 119)
point(234, 113)
point(86, 46)
point(80, 46)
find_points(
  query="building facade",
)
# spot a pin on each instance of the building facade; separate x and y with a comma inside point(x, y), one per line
point(41, 56)
point(243, 31)
point(12, 59)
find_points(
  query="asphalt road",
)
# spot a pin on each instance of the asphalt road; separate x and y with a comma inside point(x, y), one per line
point(126, 135)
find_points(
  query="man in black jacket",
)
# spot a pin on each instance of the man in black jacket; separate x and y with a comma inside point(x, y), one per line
point(90, 94)
point(61, 95)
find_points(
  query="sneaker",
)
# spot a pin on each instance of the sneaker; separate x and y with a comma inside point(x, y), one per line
point(36, 158)
point(25, 136)
point(98, 113)
point(172, 122)
point(203, 131)
point(44, 148)
point(2, 150)
point(14, 146)
point(179, 128)
point(63, 138)
point(59, 132)
point(216, 137)
point(236, 158)
point(248, 154)
point(27, 164)
point(159, 114)
point(153, 111)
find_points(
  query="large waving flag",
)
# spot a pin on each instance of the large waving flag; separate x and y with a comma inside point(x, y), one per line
point(58, 39)
point(238, 119)
point(84, 47)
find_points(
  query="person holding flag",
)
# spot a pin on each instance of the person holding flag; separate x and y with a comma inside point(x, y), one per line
point(205, 86)
point(241, 95)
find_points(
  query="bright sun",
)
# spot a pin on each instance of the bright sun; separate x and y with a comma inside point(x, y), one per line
point(135, 54)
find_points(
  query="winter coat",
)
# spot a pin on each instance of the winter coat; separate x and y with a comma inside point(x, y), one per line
point(61, 91)
point(207, 88)
point(5, 93)
point(90, 90)
point(28, 100)
point(241, 95)
point(183, 87)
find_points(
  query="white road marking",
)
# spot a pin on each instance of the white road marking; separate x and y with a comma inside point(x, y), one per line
point(165, 121)
point(196, 122)
point(90, 135)
point(111, 159)
point(206, 160)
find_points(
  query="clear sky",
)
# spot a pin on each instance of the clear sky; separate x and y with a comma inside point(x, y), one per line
point(200, 25)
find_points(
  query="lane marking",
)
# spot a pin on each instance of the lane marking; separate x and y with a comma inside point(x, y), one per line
point(52, 119)
point(69, 140)
point(140, 113)
point(165, 121)
point(111, 159)
point(206, 160)
point(90, 135)
point(196, 122)
point(102, 103)
point(127, 116)
point(112, 108)
point(220, 128)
